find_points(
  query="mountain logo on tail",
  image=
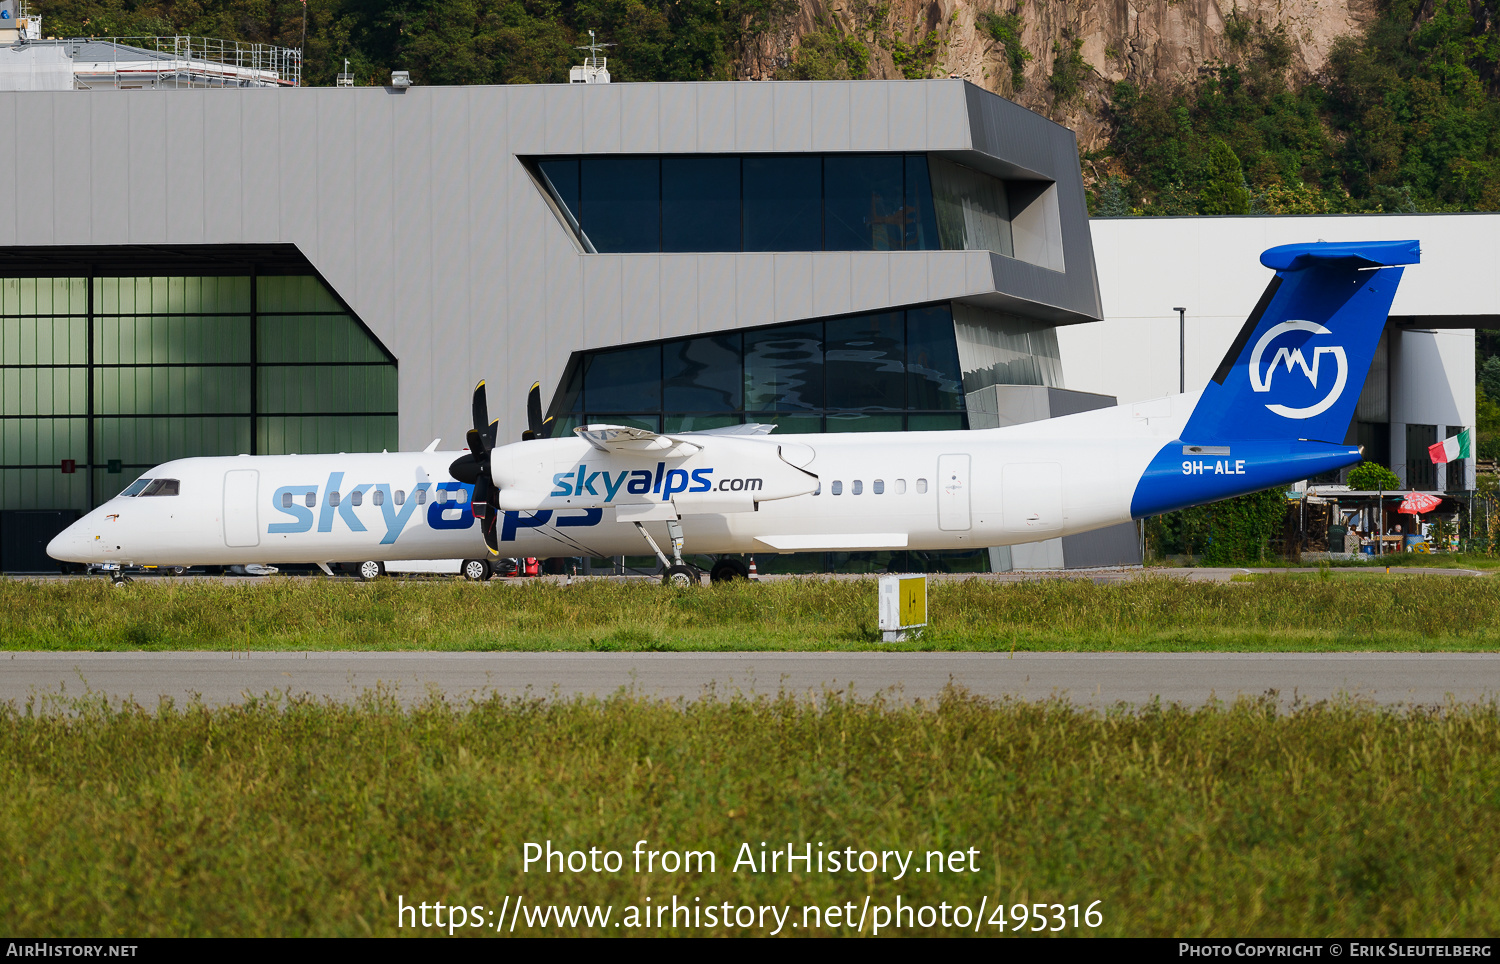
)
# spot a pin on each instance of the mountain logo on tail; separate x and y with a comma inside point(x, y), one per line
point(1291, 357)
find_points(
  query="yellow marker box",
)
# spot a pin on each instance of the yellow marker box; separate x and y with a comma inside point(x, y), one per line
point(903, 607)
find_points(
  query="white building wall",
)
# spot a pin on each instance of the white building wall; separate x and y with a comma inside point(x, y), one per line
point(1211, 267)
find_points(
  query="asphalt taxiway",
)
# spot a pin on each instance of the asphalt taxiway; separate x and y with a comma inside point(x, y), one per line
point(1097, 680)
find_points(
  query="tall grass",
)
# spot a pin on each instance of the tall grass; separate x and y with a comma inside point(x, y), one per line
point(1281, 612)
point(311, 818)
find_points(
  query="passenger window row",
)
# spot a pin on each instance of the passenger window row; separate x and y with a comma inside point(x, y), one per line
point(857, 487)
point(377, 497)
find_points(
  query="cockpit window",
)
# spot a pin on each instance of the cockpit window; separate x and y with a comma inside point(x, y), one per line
point(161, 487)
point(135, 488)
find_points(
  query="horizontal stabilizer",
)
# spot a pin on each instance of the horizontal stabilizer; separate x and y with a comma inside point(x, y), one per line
point(1375, 254)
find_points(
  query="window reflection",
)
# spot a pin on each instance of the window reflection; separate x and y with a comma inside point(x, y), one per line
point(864, 361)
point(702, 374)
point(863, 205)
point(620, 200)
point(782, 203)
point(784, 368)
point(700, 204)
point(879, 372)
point(623, 381)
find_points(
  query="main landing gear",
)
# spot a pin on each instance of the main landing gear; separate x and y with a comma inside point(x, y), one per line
point(676, 572)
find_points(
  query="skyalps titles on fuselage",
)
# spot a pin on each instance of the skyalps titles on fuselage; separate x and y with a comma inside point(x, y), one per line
point(1275, 411)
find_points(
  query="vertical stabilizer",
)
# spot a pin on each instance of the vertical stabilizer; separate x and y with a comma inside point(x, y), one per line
point(1297, 367)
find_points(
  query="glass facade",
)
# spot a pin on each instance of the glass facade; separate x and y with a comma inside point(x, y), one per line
point(996, 348)
point(886, 371)
point(115, 374)
point(777, 202)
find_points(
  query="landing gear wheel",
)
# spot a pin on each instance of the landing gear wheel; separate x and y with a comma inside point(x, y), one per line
point(476, 570)
point(370, 569)
point(681, 577)
point(177, 570)
point(728, 570)
point(120, 580)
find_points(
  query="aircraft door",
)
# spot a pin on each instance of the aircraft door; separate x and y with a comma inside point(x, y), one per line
point(241, 508)
point(1031, 498)
point(953, 492)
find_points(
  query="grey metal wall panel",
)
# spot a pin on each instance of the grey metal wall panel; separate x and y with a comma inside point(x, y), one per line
point(830, 116)
point(527, 333)
point(791, 117)
point(946, 271)
point(716, 284)
point(831, 290)
point(223, 162)
point(261, 161)
point(906, 115)
point(715, 117)
point(753, 117)
point(109, 180)
point(336, 181)
point(298, 195)
point(870, 281)
point(148, 169)
point(679, 295)
point(10, 177)
point(679, 110)
point(755, 295)
point(372, 174)
point(35, 187)
point(451, 238)
point(640, 296)
point(70, 178)
point(869, 108)
point(185, 169)
point(908, 277)
point(979, 274)
point(490, 165)
point(563, 113)
point(603, 116)
point(640, 118)
point(948, 114)
point(408, 331)
point(794, 296)
point(602, 316)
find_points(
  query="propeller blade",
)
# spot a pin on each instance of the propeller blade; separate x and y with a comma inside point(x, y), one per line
point(465, 469)
point(534, 410)
point(481, 407)
point(548, 426)
point(483, 489)
point(494, 433)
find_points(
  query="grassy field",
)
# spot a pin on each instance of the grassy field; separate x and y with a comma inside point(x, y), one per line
point(1322, 612)
point(306, 818)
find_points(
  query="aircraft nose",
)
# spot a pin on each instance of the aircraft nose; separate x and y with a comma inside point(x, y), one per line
point(69, 544)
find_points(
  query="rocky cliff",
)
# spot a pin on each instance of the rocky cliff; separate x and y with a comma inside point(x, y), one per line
point(1071, 52)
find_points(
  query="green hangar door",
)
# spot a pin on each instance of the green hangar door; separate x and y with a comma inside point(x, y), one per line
point(953, 492)
point(241, 508)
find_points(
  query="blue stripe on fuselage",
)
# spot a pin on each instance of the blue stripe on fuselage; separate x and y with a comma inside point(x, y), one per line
point(1177, 478)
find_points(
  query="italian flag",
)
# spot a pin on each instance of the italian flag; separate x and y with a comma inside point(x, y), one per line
point(1457, 447)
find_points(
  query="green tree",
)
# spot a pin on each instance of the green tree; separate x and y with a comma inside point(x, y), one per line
point(1225, 192)
point(1372, 477)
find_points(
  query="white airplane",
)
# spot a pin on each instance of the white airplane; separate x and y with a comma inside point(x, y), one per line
point(1276, 411)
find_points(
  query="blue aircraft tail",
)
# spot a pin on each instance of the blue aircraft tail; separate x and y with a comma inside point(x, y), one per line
point(1298, 365)
point(1280, 404)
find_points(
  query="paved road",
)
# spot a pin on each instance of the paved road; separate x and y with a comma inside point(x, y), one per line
point(1085, 678)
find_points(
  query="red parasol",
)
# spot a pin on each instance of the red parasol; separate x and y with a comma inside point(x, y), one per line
point(1417, 503)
